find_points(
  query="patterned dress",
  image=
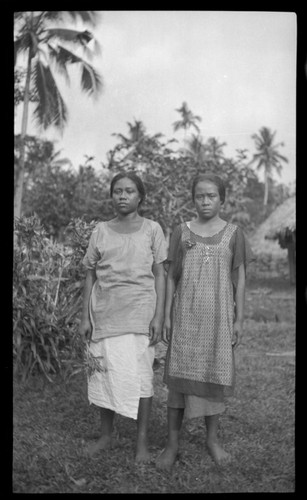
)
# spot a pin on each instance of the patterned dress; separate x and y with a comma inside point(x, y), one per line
point(200, 358)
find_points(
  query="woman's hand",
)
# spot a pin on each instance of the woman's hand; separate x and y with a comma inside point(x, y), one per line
point(155, 330)
point(166, 334)
point(85, 329)
point(237, 333)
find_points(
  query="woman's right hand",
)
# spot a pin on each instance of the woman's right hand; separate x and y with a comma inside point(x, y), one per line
point(166, 333)
point(85, 329)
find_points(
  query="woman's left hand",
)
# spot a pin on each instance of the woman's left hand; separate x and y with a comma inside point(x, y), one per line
point(237, 334)
point(155, 331)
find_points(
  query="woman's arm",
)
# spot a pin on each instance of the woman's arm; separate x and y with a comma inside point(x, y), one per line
point(239, 311)
point(85, 328)
point(155, 326)
point(170, 290)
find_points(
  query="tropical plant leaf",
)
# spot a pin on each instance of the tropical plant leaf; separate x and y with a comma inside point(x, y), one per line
point(91, 81)
point(50, 109)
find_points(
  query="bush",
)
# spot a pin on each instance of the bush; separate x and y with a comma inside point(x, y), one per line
point(47, 297)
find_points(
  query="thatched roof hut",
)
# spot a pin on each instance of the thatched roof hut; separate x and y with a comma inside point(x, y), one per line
point(278, 232)
point(281, 224)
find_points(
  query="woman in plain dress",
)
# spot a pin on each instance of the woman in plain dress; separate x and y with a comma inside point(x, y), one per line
point(123, 308)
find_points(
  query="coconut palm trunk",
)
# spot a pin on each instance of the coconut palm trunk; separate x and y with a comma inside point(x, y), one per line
point(266, 187)
point(24, 124)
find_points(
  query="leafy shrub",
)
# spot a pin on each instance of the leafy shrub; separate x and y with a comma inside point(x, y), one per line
point(47, 297)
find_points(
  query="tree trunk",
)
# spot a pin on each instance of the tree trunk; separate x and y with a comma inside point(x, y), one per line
point(291, 260)
point(21, 166)
point(266, 188)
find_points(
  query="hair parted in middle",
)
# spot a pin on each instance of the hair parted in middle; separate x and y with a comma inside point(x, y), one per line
point(215, 179)
point(134, 178)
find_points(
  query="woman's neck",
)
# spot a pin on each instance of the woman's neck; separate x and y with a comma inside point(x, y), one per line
point(207, 227)
point(128, 218)
point(213, 221)
point(125, 224)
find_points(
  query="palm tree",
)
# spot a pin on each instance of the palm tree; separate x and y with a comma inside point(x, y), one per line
point(138, 141)
point(267, 157)
point(48, 49)
point(135, 135)
point(215, 150)
point(196, 149)
point(188, 119)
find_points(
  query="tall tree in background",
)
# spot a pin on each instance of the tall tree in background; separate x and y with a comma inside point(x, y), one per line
point(187, 121)
point(267, 157)
point(39, 154)
point(48, 46)
point(196, 149)
point(136, 143)
point(135, 135)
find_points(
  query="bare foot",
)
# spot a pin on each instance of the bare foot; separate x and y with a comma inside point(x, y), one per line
point(218, 454)
point(142, 455)
point(167, 458)
point(103, 443)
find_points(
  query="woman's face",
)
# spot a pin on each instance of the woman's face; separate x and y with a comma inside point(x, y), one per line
point(126, 197)
point(207, 199)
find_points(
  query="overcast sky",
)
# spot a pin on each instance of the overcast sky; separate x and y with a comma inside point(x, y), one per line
point(237, 70)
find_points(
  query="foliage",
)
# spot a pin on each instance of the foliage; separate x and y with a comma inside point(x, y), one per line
point(267, 156)
point(79, 359)
point(59, 195)
point(188, 119)
point(47, 282)
point(77, 235)
point(49, 46)
point(37, 276)
point(168, 176)
point(39, 154)
point(19, 84)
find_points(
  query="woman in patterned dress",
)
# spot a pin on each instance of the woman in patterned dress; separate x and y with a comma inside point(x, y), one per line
point(204, 311)
point(123, 307)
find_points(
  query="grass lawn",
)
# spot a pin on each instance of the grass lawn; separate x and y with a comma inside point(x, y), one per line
point(52, 423)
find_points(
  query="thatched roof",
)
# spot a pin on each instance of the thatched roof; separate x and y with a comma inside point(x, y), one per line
point(264, 240)
point(282, 221)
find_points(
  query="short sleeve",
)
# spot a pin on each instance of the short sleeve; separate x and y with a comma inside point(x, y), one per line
point(159, 245)
point(92, 254)
point(242, 253)
point(175, 243)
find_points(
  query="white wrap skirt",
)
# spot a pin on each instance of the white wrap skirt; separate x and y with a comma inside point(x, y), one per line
point(127, 362)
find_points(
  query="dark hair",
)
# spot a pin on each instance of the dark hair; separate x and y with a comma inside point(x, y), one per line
point(215, 179)
point(134, 178)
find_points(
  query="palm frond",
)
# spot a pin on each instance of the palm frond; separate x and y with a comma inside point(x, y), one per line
point(91, 81)
point(195, 126)
point(18, 15)
point(60, 61)
point(90, 17)
point(22, 43)
point(52, 15)
point(68, 35)
point(50, 109)
point(177, 125)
